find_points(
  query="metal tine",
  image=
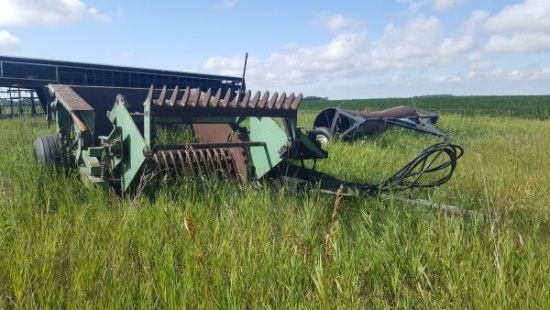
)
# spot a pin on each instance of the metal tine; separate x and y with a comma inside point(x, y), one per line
point(218, 159)
point(189, 161)
point(245, 100)
point(296, 103)
point(211, 159)
point(280, 102)
point(177, 162)
point(231, 164)
point(168, 169)
point(150, 94)
point(288, 101)
point(185, 98)
point(233, 103)
point(164, 161)
point(174, 165)
point(204, 161)
point(174, 96)
point(199, 159)
point(272, 101)
point(181, 160)
point(263, 101)
point(215, 160)
point(223, 160)
point(214, 101)
point(219, 165)
point(204, 98)
point(224, 155)
point(156, 160)
point(194, 97)
point(160, 99)
point(207, 158)
point(254, 101)
point(225, 100)
point(161, 164)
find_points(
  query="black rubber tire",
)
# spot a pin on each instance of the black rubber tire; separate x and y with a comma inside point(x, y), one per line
point(321, 134)
point(46, 150)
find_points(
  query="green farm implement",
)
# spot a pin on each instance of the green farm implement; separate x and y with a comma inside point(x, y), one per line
point(113, 137)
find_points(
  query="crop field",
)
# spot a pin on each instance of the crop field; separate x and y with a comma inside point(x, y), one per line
point(204, 243)
point(530, 107)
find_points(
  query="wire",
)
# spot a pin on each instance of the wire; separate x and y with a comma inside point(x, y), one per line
point(411, 175)
point(424, 163)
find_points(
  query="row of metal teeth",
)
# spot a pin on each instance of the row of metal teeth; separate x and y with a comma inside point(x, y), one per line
point(195, 98)
point(199, 162)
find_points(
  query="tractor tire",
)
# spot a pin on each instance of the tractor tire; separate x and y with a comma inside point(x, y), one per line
point(46, 150)
point(321, 134)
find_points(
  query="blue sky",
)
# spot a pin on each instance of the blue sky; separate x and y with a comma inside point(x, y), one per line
point(339, 49)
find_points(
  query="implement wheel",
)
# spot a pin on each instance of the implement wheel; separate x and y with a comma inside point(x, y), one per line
point(46, 150)
point(321, 134)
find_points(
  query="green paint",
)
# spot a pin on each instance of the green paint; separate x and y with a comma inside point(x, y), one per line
point(264, 129)
point(133, 144)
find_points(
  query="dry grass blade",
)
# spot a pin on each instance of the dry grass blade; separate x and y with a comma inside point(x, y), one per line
point(189, 226)
point(333, 228)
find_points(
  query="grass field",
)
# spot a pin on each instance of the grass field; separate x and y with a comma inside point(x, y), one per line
point(214, 244)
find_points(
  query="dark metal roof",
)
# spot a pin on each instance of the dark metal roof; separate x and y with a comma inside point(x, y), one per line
point(30, 72)
point(35, 74)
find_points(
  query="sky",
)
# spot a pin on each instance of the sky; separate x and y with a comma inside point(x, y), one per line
point(343, 49)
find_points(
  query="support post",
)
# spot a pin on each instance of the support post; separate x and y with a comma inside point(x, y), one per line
point(20, 103)
point(11, 101)
point(33, 107)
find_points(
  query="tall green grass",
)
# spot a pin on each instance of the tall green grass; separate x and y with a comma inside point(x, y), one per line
point(216, 244)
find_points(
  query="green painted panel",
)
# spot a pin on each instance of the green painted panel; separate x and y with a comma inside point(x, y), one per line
point(133, 144)
point(264, 129)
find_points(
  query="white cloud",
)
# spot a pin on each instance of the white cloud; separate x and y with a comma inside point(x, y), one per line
point(529, 16)
point(338, 22)
point(226, 65)
point(95, 14)
point(520, 28)
point(447, 4)
point(519, 43)
point(39, 12)
point(8, 42)
point(420, 30)
point(476, 56)
point(485, 79)
point(339, 58)
point(227, 4)
point(453, 46)
point(481, 66)
point(414, 6)
point(420, 43)
point(126, 55)
point(474, 22)
point(414, 58)
point(529, 73)
point(350, 57)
